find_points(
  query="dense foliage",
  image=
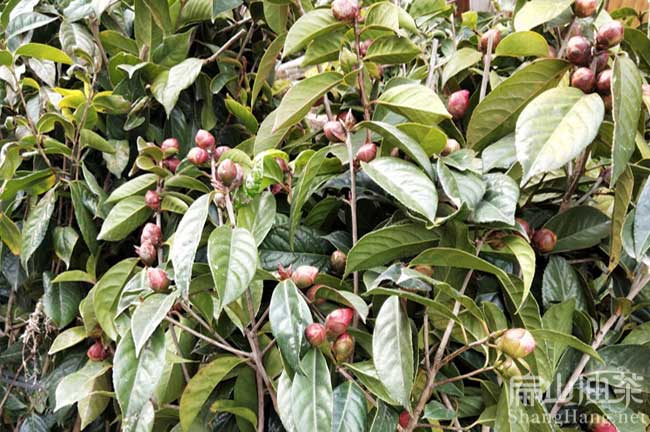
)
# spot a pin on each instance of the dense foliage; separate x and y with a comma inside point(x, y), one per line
point(278, 215)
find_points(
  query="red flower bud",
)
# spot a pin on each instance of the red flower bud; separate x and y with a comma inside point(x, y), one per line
point(404, 418)
point(458, 104)
point(343, 347)
point(337, 261)
point(204, 139)
point(585, 8)
point(172, 164)
point(97, 351)
point(316, 334)
point(227, 172)
point(152, 200)
point(600, 61)
point(516, 343)
point(600, 424)
point(158, 280)
point(545, 240)
point(347, 118)
point(345, 10)
point(338, 321)
point(451, 147)
point(169, 145)
point(583, 78)
point(363, 47)
point(578, 51)
point(525, 226)
point(304, 276)
point(311, 295)
point(496, 38)
point(604, 82)
point(219, 151)
point(609, 34)
point(334, 131)
point(276, 188)
point(367, 152)
point(147, 252)
point(198, 156)
point(151, 233)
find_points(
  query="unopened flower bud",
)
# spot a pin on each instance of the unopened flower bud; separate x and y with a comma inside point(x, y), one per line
point(367, 152)
point(404, 418)
point(343, 347)
point(363, 47)
point(151, 233)
point(204, 139)
point(609, 34)
point(338, 321)
point(545, 240)
point(172, 164)
point(509, 369)
point(585, 8)
point(578, 51)
point(600, 60)
point(158, 280)
point(97, 351)
point(152, 200)
point(147, 252)
point(198, 156)
point(516, 343)
point(599, 423)
point(219, 151)
point(337, 261)
point(316, 334)
point(345, 10)
point(334, 131)
point(227, 172)
point(604, 82)
point(458, 103)
point(583, 78)
point(312, 295)
point(304, 276)
point(170, 145)
point(451, 147)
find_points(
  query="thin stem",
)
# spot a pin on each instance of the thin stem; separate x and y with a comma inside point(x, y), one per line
point(224, 47)
point(353, 211)
point(360, 78)
point(208, 340)
point(591, 191)
point(229, 209)
point(462, 377)
point(574, 180)
point(205, 325)
point(432, 66)
point(349, 377)
point(486, 67)
point(186, 375)
point(425, 329)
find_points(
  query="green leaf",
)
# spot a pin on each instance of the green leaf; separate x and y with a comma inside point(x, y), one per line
point(308, 27)
point(312, 395)
point(83, 217)
point(60, 300)
point(106, 294)
point(435, 410)
point(242, 113)
point(43, 52)
point(406, 183)
point(386, 244)
point(501, 154)
point(350, 410)
point(10, 234)
point(257, 217)
point(461, 187)
point(94, 404)
point(65, 239)
point(35, 227)
point(267, 137)
point(536, 12)
point(509, 407)
point(626, 110)
point(392, 50)
point(566, 339)
point(127, 215)
point(267, 63)
point(384, 419)
point(397, 138)
point(622, 199)
point(641, 223)
point(462, 59)
point(289, 316)
point(392, 350)
point(232, 407)
point(148, 316)
point(134, 186)
point(555, 128)
point(186, 241)
point(74, 276)
point(285, 402)
point(135, 377)
point(80, 384)
point(525, 256)
point(578, 228)
point(499, 202)
point(415, 102)
point(168, 85)
point(118, 159)
point(198, 390)
point(496, 115)
point(297, 102)
point(67, 338)
point(559, 317)
point(232, 255)
point(561, 283)
point(324, 48)
point(522, 44)
point(93, 140)
point(367, 374)
point(245, 396)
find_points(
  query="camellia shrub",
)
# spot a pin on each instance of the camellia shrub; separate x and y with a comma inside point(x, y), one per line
point(275, 215)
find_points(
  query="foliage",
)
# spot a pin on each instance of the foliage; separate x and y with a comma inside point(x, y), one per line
point(197, 234)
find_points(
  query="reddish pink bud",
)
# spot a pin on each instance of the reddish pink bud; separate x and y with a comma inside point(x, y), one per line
point(367, 152)
point(316, 334)
point(343, 347)
point(152, 200)
point(609, 34)
point(601, 424)
point(337, 261)
point(347, 118)
point(451, 147)
point(578, 51)
point(338, 321)
point(604, 83)
point(363, 46)
point(276, 188)
point(204, 139)
point(169, 145)
point(198, 156)
point(151, 233)
point(583, 78)
point(311, 295)
point(496, 38)
point(172, 164)
point(334, 131)
point(585, 8)
point(219, 151)
point(227, 172)
point(516, 343)
point(458, 104)
point(345, 10)
point(404, 418)
point(304, 276)
point(545, 240)
point(147, 252)
point(97, 351)
point(158, 280)
point(525, 226)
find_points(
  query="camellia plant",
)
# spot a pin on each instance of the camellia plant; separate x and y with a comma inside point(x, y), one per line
point(348, 216)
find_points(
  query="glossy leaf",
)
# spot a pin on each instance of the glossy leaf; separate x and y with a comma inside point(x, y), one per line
point(312, 394)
